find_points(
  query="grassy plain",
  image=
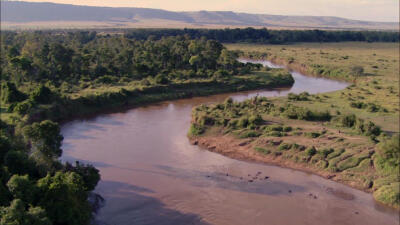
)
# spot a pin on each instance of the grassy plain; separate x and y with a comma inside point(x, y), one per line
point(379, 83)
point(318, 133)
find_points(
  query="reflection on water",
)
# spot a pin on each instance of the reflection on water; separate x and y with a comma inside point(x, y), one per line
point(152, 175)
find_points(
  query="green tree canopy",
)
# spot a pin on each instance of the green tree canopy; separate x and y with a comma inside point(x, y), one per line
point(16, 214)
point(64, 198)
point(21, 187)
point(45, 137)
point(10, 94)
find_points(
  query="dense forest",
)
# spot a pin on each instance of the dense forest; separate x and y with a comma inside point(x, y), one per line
point(44, 77)
point(50, 67)
point(251, 35)
point(35, 187)
point(82, 55)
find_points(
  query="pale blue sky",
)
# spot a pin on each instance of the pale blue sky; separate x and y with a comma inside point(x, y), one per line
point(375, 10)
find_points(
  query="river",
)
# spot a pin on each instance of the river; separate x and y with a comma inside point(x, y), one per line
point(151, 174)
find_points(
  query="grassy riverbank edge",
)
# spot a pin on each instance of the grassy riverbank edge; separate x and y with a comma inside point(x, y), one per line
point(211, 142)
point(230, 146)
point(87, 105)
point(234, 146)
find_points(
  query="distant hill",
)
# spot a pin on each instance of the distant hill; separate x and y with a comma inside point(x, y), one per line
point(30, 15)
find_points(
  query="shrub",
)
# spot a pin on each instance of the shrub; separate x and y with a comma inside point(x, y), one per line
point(23, 108)
point(228, 102)
point(311, 151)
point(5, 145)
point(326, 152)
point(233, 123)
point(296, 146)
point(106, 79)
point(262, 150)
point(274, 134)
point(357, 105)
point(18, 162)
point(284, 146)
point(370, 107)
point(219, 74)
point(195, 130)
point(312, 134)
point(10, 94)
point(300, 97)
point(243, 122)
point(350, 162)
point(205, 120)
point(357, 70)
point(287, 128)
point(389, 151)
point(301, 113)
point(255, 120)
point(274, 128)
point(348, 120)
point(248, 134)
point(161, 79)
point(335, 153)
point(389, 194)
point(372, 129)
point(42, 95)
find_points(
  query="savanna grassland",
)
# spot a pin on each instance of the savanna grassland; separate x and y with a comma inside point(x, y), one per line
point(350, 136)
point(373, 68)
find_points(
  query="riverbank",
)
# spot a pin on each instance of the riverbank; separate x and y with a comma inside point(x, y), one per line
point(130, 96)
point(247, 150)
point(328, 147)
point(154, 162)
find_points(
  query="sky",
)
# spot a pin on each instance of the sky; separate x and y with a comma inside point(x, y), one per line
point(372, 10)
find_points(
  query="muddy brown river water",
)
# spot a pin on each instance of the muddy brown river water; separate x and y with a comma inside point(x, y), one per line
point(151, 174)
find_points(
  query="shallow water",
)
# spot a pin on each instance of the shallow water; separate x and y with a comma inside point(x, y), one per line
point(152, 175)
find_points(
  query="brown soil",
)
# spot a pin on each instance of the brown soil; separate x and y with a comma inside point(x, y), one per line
point(243, 149)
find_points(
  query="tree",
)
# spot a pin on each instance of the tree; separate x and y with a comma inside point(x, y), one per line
point(16, 214)
point(64, 198)
point(194, 60)
point(161, 79)
point(21, 187)
point(4, 146)
point(24, 107)
point(227, 58)
point(45, 138)
point(60, 58)
point(389, 150)
point(13, 51)
point(89, 174)
point(10, 94)
point(18, 162)
point(42, 94)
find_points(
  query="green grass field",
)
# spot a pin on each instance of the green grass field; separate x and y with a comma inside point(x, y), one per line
point(379, 83)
